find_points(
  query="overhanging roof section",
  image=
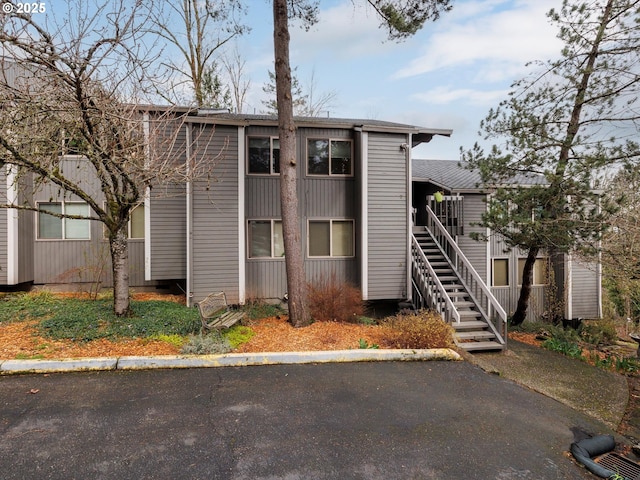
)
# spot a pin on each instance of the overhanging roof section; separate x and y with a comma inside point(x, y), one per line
point(418, 134)
point(453, 176)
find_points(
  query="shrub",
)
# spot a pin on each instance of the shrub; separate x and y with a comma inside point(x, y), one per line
point(564, 346)
point(238, 334)
point(331, 299)
point(256, 309)
point(596, 332)
point(212, 343)
point(424, 329)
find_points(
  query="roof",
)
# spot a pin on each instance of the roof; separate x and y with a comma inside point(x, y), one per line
point(419, 134)
point(454, 176)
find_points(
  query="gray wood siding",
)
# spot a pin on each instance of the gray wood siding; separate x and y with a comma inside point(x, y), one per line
point(476, 251)
point(585, 289)
point(71, 261)
point(168, 233)
point(215, 221)
point(320, 198)
point(26, 232)
point(388, 217)
point(3, 226)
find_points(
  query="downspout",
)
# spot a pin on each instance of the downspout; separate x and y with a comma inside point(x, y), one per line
point(13, 267)
point(189, 219)
point(147, 202)
point(242, 225)
point(364, 213)
point(409, 233)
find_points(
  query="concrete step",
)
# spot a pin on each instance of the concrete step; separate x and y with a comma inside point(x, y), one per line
point(480, 346)
point(475, 335)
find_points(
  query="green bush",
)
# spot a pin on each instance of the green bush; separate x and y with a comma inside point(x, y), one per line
point(212, 343)
point(564, 346)
point(600, 331)
point(424, 329)
point(238, 334)
point(256, 309)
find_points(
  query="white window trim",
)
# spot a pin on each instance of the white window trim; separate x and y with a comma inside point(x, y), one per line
point(493, 272)
point(331, 255)
point(271, 172)
point(533, 284)
point(329, 139)
point(62, 219)
point(273, 243)
point(137, 239)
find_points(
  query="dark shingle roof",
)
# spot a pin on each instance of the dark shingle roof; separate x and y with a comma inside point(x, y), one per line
point(452, 175)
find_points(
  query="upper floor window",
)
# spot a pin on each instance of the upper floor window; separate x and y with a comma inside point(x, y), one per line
point(329, 157)
point(264, 155)
point(52, 227)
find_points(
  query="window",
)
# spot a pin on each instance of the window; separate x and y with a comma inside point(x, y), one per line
point(51, 227)
point(264, 155)
point(540, 271)
point(265, 239)
point(136, 223)
point(500, 272)
point(135, 227)
point(329, 157)
point(331, 238)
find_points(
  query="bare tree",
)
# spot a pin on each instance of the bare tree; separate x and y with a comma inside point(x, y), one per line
point(234, 69)
point(74, 93)
point(205, 27)
point(307, 101)
point(402, 18)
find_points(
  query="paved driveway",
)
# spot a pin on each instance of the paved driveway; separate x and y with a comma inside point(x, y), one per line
point(422, 420)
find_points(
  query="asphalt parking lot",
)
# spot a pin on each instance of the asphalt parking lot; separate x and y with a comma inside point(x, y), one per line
point(386, 420)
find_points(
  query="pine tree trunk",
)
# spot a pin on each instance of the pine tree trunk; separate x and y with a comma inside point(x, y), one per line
point(525, 290)
point(119, 248)
point(296, 279)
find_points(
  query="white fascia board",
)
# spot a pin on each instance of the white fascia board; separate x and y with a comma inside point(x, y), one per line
point(13, 270)
point(242, 271)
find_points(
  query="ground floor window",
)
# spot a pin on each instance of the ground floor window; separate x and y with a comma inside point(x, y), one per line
point(265, 239)
point(500, 272)
point(331, 238)
point(540, 271)
point(51, 227)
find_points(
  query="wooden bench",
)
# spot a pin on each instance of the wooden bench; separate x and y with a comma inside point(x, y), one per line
point(215, 313)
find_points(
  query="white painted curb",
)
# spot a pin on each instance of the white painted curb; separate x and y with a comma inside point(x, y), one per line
point(225, 360)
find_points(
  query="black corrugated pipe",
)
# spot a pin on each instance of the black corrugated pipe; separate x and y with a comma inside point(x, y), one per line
point(584, 450)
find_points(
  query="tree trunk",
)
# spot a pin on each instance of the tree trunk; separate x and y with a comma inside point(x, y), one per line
point(296, 279)
point(525, 290)
point(119, 248)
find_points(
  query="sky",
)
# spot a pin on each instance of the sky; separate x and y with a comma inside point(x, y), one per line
point(447, 76)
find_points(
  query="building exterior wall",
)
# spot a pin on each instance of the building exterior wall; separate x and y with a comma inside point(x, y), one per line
point(388, 212)
point(215, 229)
point(585, 288)
point(78, 261)
point(321, 198)
point(475, 250)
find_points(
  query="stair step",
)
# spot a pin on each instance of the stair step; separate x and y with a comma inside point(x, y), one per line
point(464, 314)
point(470, 325)
point(459, 304)
point(475, 346)
point(475, 335)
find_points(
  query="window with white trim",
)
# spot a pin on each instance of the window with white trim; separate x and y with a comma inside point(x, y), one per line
point(329, 157)
point(263, 155)
point(135, 226)
point(265, 239)
point(51, 227)
point(540, 271)
point(331, 238)
point(500, 272)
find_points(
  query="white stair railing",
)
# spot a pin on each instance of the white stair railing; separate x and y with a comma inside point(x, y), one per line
point(485, 301)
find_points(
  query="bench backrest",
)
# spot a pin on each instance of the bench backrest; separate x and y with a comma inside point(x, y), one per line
point(212, 305)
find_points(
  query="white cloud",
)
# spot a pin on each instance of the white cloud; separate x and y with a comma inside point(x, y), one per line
point(444, 95)
point(488, 33)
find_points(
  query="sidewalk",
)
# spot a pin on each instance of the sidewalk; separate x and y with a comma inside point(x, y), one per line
point(590, 390)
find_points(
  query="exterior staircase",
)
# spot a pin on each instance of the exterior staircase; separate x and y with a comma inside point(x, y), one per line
point(445, 281)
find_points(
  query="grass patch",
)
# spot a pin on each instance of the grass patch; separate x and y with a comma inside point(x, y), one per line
point(238, 334)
